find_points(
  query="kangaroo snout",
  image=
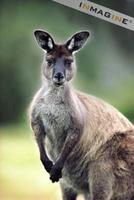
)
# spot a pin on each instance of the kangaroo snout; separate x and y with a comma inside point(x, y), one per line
point(59, 78)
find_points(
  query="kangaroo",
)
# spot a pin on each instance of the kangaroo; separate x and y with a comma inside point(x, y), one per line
point(85, 143)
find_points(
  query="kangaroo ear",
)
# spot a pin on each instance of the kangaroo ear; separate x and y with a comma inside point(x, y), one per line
point(44, 40)
point(77, 41)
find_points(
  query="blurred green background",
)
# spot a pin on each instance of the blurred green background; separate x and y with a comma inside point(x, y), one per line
point(105, 69)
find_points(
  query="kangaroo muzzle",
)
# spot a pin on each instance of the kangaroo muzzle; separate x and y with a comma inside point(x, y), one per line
point(59, 78)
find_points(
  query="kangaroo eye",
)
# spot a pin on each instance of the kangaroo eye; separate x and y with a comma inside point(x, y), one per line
point(68, 61)
point(50, 62)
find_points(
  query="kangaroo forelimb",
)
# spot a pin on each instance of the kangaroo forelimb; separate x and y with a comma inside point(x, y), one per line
point(39, 132)
point(70, 142)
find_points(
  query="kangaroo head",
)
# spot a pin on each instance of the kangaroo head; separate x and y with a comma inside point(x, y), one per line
point(60, 67)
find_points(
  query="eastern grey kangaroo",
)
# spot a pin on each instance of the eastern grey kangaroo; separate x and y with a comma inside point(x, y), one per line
point(84, 143)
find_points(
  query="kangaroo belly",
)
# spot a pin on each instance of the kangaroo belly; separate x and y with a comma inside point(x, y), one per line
point(56, 120)
point(76, 174)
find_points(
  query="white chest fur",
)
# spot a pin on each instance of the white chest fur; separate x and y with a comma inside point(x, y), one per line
point(55, 116)
point(55, 112)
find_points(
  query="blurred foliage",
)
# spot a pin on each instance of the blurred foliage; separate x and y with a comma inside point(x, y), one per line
point(105, 65)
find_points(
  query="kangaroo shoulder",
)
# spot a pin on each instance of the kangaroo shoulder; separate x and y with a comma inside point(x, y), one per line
point(35, 105)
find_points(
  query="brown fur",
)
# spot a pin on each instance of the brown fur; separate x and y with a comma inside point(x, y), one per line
point(89, 142)
point(58, 51)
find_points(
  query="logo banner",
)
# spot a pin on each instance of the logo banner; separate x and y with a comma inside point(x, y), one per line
point(101, 12)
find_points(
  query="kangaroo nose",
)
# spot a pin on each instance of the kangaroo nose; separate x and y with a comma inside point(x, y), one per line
point(59, 76)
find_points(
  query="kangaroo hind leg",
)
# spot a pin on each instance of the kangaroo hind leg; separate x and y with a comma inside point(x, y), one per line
point(68, 193)
point(101, 182)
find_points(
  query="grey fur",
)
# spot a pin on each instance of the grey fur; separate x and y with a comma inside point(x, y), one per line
point(79, 136)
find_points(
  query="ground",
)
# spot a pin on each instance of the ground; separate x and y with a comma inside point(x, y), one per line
point(21, 174)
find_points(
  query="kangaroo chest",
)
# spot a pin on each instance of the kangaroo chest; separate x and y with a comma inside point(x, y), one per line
point(56, 116)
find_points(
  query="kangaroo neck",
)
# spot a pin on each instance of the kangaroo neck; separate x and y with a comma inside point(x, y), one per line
point(59, 94)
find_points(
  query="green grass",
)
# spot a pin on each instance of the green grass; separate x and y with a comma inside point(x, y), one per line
point(22, 176)
point(21, 173)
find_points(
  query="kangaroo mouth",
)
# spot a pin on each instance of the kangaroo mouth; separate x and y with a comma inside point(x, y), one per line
point(58, 83)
